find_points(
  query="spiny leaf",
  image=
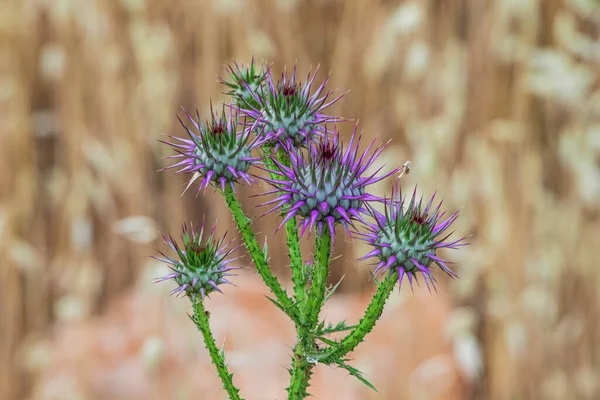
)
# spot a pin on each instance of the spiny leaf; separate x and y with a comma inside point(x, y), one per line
point(307, 270)
point(333, 289)
point(327, 341)
point(356, 373)
point(374, 278)
point(265, 251)
point(282, 308)
point(340, 327)
point(222, 352)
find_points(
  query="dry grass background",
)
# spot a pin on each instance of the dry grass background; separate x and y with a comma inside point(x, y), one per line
point(496, 103)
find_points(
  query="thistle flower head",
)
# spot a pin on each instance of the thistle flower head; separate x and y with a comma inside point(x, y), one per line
point(326, 184)
point(286, 111)
point(200, 264)
point(217, 152)
point(245, 81)
point(406, 237)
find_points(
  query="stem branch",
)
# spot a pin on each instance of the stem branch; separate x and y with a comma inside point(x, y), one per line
point(293, 241)
point(366, 324)
point(201, 321)
point(317, 289)
point(258, 257)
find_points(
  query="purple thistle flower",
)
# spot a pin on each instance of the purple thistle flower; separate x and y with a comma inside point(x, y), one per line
point(200, 266)
point(285, 111)
point(406, 238)
point(219, 152)
point(327, 184)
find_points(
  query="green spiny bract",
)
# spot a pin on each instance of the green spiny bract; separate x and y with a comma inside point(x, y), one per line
point(407, 239)
point(285, 111)
point(218, 152)
point(201, 265)
point(244, 82)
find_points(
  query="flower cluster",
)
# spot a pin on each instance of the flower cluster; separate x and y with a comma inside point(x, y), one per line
point(318, 183)
point(201, 265)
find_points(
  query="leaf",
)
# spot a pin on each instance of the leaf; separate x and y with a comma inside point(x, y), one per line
point(222, 352)
point(330, 293)
point(320, 327)
point(265, 251)
point(328, 342)
point(340, 327)
point(374, 278)
point(356, 373)
point(307, 271)
point(282, 308)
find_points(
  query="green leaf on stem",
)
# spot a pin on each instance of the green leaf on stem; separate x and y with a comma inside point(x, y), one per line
point(333, 289)
point(356, 373)
point(340, 327)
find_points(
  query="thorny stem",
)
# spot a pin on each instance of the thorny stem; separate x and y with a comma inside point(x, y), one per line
point(293, 241)
point(319, 282)
point(300, 372)
point(258, 257)
point(301, 366)
point(366, 324)
point(201, 321)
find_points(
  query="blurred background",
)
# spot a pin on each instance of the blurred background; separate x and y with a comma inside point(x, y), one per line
point(496, 103)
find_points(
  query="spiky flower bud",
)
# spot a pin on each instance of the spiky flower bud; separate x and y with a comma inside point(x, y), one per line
point(218, 152)
point(200, 265)
point(406, 238)
point(244, 81)
point(286, 111)
point(327, 184)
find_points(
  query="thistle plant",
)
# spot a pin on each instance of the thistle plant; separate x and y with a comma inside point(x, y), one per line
point(276, 131)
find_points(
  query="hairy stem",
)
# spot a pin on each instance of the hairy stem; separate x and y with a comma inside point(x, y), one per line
point(258, 257)
point(201, 321)
point(366, 324)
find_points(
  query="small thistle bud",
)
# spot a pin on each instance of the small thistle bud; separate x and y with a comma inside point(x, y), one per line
point(244, 82)
point(219, 152)
point(200, 266)
point(406, 239)
point(286, 111)
point(327, 185)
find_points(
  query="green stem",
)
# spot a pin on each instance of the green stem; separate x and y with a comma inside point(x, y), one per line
point(300, 372)
point(258, 257)
point(316, 295)
point(298, 277)
point(366, 324)
point(301, 366)
point(201, 320)
point(293, 241)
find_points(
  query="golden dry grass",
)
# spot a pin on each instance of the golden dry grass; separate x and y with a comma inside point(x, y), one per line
point(496, 103)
